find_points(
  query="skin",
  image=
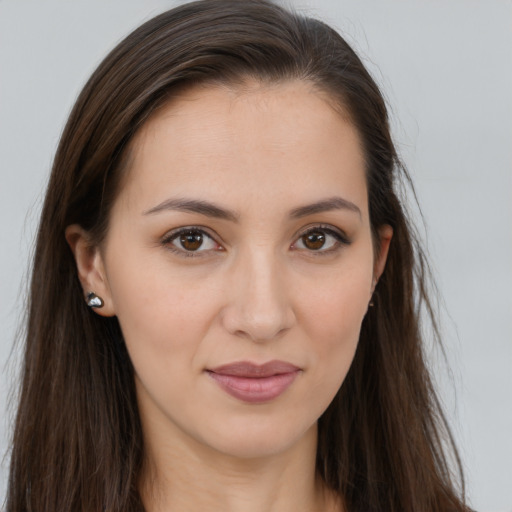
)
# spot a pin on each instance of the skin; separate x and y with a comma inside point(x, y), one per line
point(254, 291)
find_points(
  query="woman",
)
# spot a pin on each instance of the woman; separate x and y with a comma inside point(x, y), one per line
point(224, 310)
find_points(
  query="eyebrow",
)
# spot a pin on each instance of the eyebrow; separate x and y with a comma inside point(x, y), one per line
point(325, 205)
point(194, 206)
point(212, 210)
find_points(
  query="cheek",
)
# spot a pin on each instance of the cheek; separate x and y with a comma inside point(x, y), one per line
point(334, 331)
point(335, 311)
point(163, 313)
point(332, 317)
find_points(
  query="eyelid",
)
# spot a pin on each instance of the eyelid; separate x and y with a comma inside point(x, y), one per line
point(184, 229)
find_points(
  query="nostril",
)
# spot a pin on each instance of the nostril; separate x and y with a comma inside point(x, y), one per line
point(240, 322)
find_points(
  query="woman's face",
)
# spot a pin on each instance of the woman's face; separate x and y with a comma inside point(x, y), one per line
point(239, 262)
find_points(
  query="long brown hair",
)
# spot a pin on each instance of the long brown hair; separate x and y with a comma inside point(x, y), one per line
point(77, 444)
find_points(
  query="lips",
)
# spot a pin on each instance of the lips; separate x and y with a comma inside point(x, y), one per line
point(255, 383)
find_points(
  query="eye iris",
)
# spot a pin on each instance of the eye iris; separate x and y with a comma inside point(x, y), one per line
point(191, 241)
point(314, 240)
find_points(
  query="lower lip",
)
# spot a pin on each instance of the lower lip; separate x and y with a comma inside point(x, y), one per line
point(254, 390)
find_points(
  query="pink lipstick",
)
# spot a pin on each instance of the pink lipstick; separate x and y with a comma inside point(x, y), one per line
point(255, 383)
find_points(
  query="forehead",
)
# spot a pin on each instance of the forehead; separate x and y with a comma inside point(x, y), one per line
point(283, 140)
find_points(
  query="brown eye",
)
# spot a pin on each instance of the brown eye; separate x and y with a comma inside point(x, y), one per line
point(322, 240)
point(191, 241)
point(314, 240)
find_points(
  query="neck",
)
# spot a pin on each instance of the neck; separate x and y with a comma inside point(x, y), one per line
point(189, 476)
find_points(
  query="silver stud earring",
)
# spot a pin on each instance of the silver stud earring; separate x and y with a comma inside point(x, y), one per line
point(94, 301)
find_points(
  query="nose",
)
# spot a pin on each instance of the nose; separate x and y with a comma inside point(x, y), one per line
point(258, 306)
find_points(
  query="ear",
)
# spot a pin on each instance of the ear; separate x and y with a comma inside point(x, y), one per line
point(90, 267)
point(385, 235)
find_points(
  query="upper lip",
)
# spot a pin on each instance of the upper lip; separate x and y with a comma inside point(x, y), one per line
point(248, 369)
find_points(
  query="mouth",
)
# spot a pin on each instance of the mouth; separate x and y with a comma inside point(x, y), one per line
point(255, 383)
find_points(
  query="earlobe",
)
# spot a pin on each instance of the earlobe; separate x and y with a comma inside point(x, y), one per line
point(385, 235)
point(91, 270)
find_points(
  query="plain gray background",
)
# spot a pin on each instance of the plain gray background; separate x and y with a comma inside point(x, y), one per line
point(446, 69)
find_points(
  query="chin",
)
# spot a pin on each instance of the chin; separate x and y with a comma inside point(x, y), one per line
point(253, 439)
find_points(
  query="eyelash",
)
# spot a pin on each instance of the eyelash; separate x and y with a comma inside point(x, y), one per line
point(340, 238)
